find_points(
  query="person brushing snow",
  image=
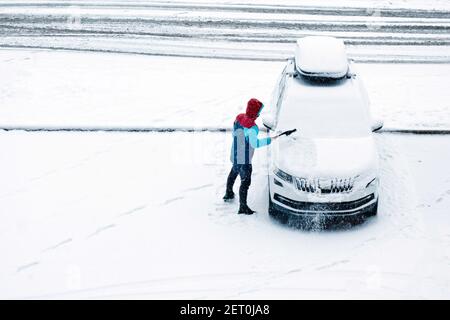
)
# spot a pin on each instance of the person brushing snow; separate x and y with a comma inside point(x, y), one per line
point(245, 141)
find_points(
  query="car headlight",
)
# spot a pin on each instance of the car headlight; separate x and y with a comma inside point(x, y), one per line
point(283, 175)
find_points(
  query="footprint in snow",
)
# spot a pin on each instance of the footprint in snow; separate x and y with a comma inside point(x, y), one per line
point(27, 266)
point(132, 211)
point(101, 229)
point(327, 266)
point(171, 200)
point(59, 244)
point(199, 187)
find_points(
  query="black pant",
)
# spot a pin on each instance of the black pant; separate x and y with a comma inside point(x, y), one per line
point(245, 172)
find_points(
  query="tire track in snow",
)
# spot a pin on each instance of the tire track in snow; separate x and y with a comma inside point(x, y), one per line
point(232, 7)
point(219, 23)
point(241, 26)
point(243, 54)
point(220, 34)
point(100, 291)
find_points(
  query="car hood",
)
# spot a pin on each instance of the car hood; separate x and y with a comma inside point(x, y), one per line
point(340, 157)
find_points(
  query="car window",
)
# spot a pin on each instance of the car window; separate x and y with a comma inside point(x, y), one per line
point(277, 94)
point(321, 112)
point(274, 103)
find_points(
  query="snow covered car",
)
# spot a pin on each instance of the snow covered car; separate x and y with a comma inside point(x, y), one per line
point(328, 169)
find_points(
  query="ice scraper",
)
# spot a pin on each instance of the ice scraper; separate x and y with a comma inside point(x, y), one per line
point(287, 132)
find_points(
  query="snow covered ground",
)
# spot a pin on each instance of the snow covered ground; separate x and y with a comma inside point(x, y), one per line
point(133, 215)
point(70, 89)
point(139, 215)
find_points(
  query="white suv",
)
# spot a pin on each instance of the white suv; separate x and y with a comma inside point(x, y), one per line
point(328, 169)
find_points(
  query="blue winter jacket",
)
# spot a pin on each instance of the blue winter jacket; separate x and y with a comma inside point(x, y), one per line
point(245, 141)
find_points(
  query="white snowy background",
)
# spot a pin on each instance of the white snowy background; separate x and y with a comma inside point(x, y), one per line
point(140, 215)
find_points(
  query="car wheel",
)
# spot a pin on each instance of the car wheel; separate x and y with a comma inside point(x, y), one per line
point(374, 210)
point(279, 216)
point(271, 209)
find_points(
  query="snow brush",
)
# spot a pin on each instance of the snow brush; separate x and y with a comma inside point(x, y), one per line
point(288, 132)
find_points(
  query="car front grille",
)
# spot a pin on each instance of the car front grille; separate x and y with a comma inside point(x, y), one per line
point(326, 206)
point(317, 185)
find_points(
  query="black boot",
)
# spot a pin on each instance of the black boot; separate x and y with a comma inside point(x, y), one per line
point(246, 178)
point(229, 195)
point(244, 209)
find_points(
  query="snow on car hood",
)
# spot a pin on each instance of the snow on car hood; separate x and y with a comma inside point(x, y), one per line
point(325, 158)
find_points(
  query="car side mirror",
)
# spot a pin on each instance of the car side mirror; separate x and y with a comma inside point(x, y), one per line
point(268, 122)
point(377, 124)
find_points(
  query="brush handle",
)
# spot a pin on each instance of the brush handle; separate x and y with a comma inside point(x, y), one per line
point(288, 132)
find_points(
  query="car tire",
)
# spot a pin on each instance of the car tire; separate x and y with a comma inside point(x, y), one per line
point(275, 214)
point(374, 211)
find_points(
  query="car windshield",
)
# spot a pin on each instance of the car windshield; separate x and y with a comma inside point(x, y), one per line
point(325, 115)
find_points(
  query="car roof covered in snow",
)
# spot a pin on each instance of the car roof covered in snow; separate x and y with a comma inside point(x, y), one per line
point(319, 56)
